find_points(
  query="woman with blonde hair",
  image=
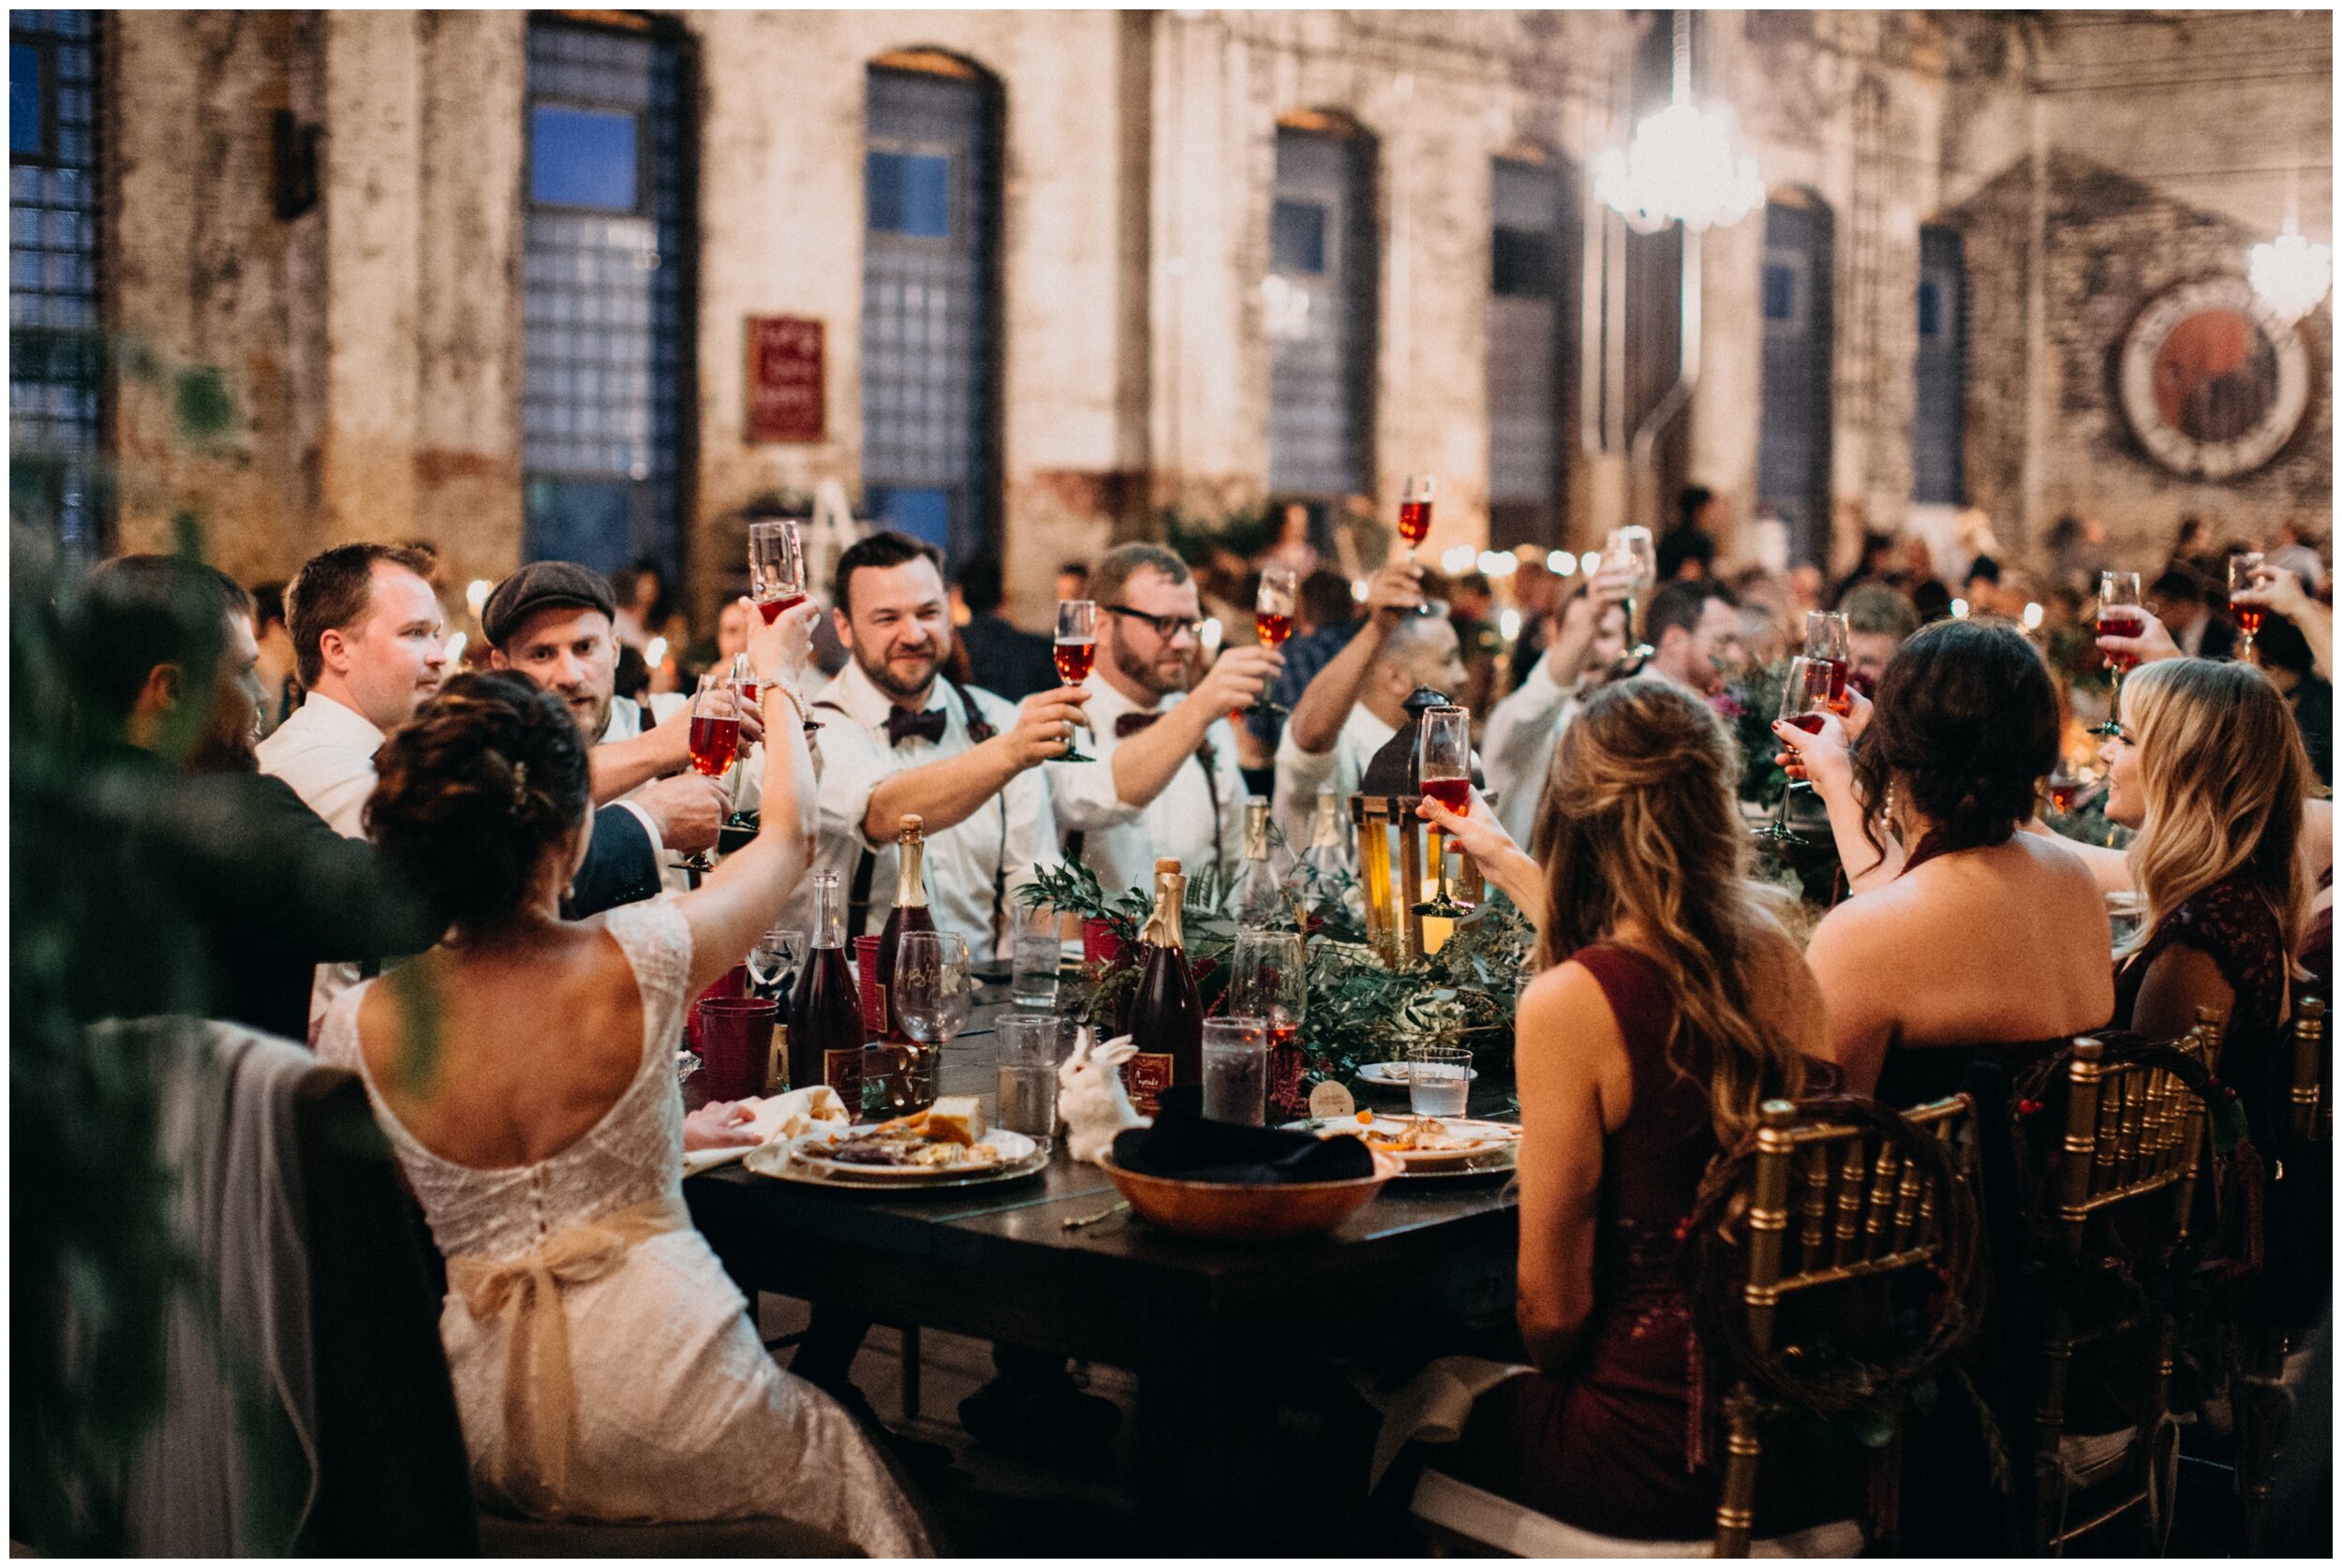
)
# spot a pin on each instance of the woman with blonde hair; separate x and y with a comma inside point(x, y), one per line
point(1672, 1003)
point(2206, 763)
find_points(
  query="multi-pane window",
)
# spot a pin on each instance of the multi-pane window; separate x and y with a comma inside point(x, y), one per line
point(1793, 429)
point(1938, 420)
point(1529, 350)
point(930, 336)
point(1319, 304)
point(607, 283)
point(55, 365)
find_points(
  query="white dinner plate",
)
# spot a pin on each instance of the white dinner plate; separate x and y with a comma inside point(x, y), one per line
point(1393, 1075)
point(1013, 1148)
point(1499, 1145)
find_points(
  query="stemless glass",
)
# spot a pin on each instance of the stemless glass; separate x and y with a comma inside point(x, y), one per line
point(1036, 957)
point(2243, 567)
point(1444, 770)
point(1829, 640)
point(1077, 650)
point(1025, 1073)
point(777, 578)
point(1439, 1080)
point(2119, 615)
point(933, 994)
point(1272, 617)
point(1236, 1071)
point(1804, 697)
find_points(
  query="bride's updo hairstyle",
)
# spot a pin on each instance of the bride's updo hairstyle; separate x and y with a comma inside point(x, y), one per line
point(470, 797)
point(1965, 725)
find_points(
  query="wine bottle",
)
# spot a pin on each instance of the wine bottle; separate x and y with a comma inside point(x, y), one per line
point(1256, 901)
point(1328, 889)
point(910, 913)
point(1166, 1016)
point(826, 1014)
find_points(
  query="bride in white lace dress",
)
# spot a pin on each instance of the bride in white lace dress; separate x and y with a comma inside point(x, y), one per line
point(603, 1363)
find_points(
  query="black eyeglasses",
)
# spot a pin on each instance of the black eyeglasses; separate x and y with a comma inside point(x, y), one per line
point(1167, 627)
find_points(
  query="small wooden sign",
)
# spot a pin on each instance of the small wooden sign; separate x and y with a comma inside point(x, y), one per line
point(787, 394)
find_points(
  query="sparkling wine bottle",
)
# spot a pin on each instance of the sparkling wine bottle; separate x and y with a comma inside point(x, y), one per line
point(825, 1013)
point(1326, 889)
point(909, 914)
point(1166, 1020)
point(1256, 899)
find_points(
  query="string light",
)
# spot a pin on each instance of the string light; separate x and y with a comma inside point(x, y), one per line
point(476, 593)
point(455, 647)
point(2290, 274)
point(1209, 634)
point(1561, 563)
point(2033, 617)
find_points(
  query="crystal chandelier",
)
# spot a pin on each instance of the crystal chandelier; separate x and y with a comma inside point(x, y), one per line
point(1683, 166)
point(2290, 274)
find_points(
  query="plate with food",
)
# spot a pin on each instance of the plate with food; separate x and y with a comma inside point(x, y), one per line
point(947, 1140)
point(1428, 1146)
point(1393, 1075)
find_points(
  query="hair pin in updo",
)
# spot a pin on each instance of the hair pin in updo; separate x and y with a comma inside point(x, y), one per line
point(520, 786)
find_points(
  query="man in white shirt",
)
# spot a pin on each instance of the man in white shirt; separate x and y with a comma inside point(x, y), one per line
point(1518, 745)
point(1352, 708)
point(1166, 780)
point(900, 738)
point(554, 621)
point(1694, 627)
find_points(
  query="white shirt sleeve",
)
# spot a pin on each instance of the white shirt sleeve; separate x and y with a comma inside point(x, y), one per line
point(338, 790)
point(853, 767)
point(1517, 746)
point(1083, 798)
point(1233, 794)
point(1299, 776)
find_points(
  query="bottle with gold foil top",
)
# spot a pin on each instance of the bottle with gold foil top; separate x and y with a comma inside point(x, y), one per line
point(1166, 1018)
point(1256, 901)
point(909, 914)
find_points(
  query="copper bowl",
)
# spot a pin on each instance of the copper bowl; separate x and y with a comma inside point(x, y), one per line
point(1229, 1211)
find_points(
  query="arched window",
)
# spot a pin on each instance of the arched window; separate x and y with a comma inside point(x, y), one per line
point(1319, 306)
point(1532, 345)
point(606, 356)
point(1793, 433)
point(930, 291)
point(1939, 409)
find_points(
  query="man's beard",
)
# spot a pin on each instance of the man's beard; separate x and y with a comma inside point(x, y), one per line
point(595, 721)
point(1143, 674)
point(882, 675)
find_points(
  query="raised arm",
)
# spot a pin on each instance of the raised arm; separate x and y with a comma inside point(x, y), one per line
point(2279, 592)
point(947, 792)
point(1145, 765)
point(1317, 718)
point(1832, 772)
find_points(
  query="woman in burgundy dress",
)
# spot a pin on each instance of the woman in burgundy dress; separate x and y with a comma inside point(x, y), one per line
point(1672, 1003)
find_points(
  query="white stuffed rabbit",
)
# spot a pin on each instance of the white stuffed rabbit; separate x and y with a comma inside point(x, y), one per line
point(1091, 1097)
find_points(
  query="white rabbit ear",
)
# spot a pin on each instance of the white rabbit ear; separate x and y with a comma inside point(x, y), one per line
point(1116, 1052)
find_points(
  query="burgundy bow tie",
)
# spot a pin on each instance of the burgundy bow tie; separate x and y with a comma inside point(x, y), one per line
point(902, 725)
point(1131, 723)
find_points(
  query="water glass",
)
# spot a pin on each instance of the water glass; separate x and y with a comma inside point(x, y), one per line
point(1236, 1070)
point(1032, 977)
point(1029, 1049)
point(1439, 1080)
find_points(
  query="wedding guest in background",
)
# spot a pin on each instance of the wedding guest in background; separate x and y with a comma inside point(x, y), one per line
point(1688, 550)
point(2285, 657)
point(1880, 620)
point(280, 686)
point(1329, 617)
point(2182, 600)
point(1518, 742)
point(1002, 658)
point(1694, 627)
point(1925, 812)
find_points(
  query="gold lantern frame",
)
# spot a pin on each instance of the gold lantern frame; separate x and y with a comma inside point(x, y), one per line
point(1394, 844)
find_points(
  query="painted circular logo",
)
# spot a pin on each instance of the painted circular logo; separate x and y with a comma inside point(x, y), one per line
point(2214, 382)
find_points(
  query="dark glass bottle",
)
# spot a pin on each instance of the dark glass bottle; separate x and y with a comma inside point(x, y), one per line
point(826, 1014)
point(1166, 1018)
point(910, 913)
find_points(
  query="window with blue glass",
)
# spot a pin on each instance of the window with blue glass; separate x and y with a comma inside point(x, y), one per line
point(1531, 338)
point(1297, 236)
point(1321, 228)
point(55, 363)
point(910, 193)
point(1940, 372)
point(606, 296)
point(1780, 293)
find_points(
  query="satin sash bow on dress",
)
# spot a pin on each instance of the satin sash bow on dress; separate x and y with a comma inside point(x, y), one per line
point(524, 1293)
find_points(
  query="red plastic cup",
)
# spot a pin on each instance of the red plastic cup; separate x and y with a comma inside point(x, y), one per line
point(733, 982)
point(735, 1044)
point(1100, 945)
point(866, 979)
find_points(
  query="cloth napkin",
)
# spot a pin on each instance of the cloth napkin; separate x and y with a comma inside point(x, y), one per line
point(1433, 1406)
point(775, 1118)
point(1183, 1145)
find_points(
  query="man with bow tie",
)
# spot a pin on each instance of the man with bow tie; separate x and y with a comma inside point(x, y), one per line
point(900, 738)
point(1165, 781)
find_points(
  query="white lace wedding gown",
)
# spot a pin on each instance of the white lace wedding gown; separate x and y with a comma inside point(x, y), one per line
point(679, 1413)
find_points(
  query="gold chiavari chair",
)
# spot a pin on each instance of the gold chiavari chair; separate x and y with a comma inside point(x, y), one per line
point(1829, 1202)
point(2125, 1188)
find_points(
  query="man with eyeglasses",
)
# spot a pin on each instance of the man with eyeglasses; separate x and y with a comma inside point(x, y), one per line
point(1165, 781)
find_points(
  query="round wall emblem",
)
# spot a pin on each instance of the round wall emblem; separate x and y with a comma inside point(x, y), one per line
point(2214, 382)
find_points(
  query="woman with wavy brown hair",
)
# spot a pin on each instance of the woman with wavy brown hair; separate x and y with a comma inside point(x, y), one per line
point(1672, 1003)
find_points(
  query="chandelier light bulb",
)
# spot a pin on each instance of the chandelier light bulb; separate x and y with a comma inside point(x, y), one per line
point(2290, 274)
point(1680, 167)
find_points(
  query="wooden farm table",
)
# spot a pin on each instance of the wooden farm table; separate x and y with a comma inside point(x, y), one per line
point(1211, 1330)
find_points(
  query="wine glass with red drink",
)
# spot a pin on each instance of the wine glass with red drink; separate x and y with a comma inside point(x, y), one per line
point(1076, 651)
point(776, 577)
point(1272, 983)
point(2243, 567)
point(1272, 617)
point(2119, 615)
point(1827, 641)
point(1443, 772)
point(1804, 698)
point(714, 739)
point(1414, 518)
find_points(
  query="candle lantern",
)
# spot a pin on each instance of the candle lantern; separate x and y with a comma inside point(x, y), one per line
point(1396, 868)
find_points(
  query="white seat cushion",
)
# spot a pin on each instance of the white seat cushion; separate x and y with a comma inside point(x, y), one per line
point(1505, 1527)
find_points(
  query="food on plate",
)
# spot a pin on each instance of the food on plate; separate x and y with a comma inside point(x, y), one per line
point(1408, 1136)
point(956, 1117)
point(944, 1136)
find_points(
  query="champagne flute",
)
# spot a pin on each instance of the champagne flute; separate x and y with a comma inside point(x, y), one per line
point(2118, 617)
point(1829, 640)
point(1415, 519)
point(1804, 697)
point(1077, 650)
point(1631, 548)
point(933, 994)
point(777, 578)
point(2243, 567)
point(1443, 772)
point(1272, 619)
point(714, 740)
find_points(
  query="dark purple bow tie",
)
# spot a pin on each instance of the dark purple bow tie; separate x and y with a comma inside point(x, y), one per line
point(902, 725)
point(1131, 723)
